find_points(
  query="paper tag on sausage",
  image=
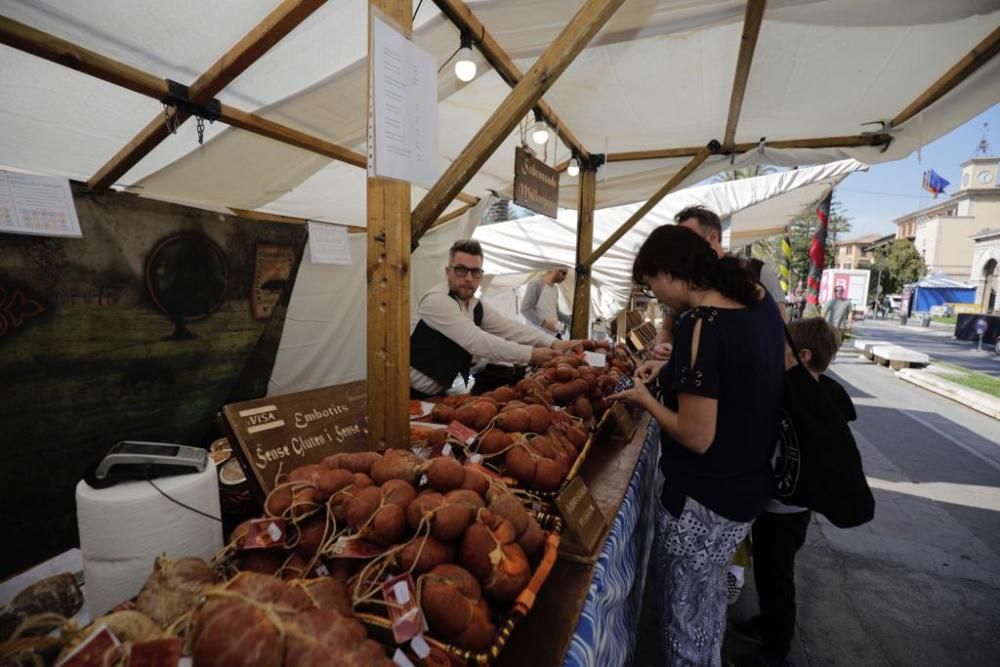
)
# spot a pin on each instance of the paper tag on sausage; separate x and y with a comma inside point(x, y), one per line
point(321, 570)
point(95, 650)
point(475, 458)
point(461, 432)
point(265, 533)
point(595, 359)
point(156, 653)
point(354, 547)
point(400, 659)
point(407, 620)
point(420, 647)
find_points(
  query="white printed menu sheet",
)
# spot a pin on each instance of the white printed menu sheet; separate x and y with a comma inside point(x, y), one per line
point(39, 205)
point(403, 123)
point(328, 244)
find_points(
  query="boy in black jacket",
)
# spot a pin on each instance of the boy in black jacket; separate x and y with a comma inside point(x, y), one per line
point(780, 530)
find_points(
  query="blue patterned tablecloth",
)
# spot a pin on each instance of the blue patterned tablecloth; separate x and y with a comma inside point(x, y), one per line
point(606, 632)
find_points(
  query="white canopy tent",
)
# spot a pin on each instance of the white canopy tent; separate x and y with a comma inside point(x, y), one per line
point(756, 208)
point(658, 75)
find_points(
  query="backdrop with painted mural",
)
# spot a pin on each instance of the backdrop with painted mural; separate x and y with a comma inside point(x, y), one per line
point(141, 330)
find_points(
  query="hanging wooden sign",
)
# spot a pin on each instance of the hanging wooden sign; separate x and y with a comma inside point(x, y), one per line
point(277, 434)
point(536, 185)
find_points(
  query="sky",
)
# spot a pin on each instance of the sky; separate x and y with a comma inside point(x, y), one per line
point(873, 199)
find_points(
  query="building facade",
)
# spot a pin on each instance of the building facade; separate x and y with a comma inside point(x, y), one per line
point(943, 233)
point(985, 258)
point(856, 253)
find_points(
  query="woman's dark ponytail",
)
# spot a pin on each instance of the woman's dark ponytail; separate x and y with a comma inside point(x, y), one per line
point(736, 280)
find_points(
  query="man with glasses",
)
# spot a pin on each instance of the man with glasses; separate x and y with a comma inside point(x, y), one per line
point(540, 305)
point(837, 311)
point(454, 327)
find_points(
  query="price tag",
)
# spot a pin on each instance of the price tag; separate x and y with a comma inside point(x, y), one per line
point(407, 620)
point(420, 647)
point(400, 659)
point(355, 547)
point(475, 458)
point(581, 513)
point(446, 450)
point(95, 650)
point(265, 533)
point(596, 359)
point(462, 432)
point(321, 570)
point(156, 653)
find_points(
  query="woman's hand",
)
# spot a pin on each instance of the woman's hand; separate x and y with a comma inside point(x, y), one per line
point(639, 395)
point(662, 351)
point(648, 371)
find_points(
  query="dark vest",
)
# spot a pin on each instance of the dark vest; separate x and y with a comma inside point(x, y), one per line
point(439, 357)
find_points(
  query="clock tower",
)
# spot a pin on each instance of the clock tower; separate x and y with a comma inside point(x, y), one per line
point(980, 173)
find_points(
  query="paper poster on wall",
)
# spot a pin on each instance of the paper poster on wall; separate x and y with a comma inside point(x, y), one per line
point(402, 123)
point(38, 205)
point(328, 244)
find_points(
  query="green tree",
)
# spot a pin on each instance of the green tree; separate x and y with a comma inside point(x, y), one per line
point(800, 232)
point(901, 264)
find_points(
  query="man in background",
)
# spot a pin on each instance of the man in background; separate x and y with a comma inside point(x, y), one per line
point(837, 311)
point(540, 305)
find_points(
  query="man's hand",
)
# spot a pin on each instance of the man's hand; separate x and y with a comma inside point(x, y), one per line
point(550, 325)
point(662, 351)
point(564, 345)
point(648, 371)
point(539, 355)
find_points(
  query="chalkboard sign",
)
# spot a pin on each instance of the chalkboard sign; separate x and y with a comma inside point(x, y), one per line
point(581, 513)
point(280, 433)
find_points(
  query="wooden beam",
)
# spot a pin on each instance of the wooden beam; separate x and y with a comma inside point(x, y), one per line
point(389, 287)
point(580, 326)
point(62, 52)
point(748, 42)
point(546, 70)
point(244, 53)
point(676, 180)
point(448, 217)
point(459, 14)
point(286, 219)
point(973, 60)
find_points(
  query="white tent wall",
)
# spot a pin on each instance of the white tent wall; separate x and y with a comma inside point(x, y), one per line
point(324, 341)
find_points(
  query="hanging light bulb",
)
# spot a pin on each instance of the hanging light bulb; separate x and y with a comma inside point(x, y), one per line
point(539, 131)
point(574, 168)
point(465, 66)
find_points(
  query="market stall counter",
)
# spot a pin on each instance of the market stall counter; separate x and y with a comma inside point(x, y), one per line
point(587, 613)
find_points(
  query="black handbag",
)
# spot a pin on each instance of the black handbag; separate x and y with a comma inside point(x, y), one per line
point(817, 463)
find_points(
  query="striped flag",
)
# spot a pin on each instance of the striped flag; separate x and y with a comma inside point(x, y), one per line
point(934, 183)
point(817, 251)
point(785, 268)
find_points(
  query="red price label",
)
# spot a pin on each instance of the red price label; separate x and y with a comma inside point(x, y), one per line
point(400, 593)
point(265, 533)
point(462, 432)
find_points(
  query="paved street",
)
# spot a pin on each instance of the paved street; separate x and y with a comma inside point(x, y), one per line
point(919, 585)
point(937, 340)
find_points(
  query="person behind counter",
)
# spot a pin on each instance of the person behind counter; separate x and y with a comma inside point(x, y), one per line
point(454, 326)
point(718, 425)
point(540, 305)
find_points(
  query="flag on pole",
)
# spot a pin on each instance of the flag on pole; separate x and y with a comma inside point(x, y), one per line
point(934, 183)
point(786, 262)
point(817, 251)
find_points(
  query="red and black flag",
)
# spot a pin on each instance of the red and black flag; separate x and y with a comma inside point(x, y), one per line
point(817, 251)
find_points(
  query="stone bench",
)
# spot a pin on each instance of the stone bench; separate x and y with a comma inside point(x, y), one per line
point(897, 357)
point(865, 345)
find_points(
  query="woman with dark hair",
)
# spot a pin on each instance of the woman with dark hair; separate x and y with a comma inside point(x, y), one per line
point(718, 426)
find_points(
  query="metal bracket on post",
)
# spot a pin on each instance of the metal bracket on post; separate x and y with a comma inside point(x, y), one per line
point(178, 96)
point(592, 163)
point(582, 270)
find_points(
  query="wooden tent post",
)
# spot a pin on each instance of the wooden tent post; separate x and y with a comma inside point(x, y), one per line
point(580, 327)
point(748, 42)
point(389, 287)
point(550, 65)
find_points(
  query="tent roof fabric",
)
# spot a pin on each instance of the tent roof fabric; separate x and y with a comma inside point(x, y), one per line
point(942, 281)
point(658, 75)
point(756, 208)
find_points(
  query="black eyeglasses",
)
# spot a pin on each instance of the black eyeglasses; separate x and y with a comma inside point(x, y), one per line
point(462, 271)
